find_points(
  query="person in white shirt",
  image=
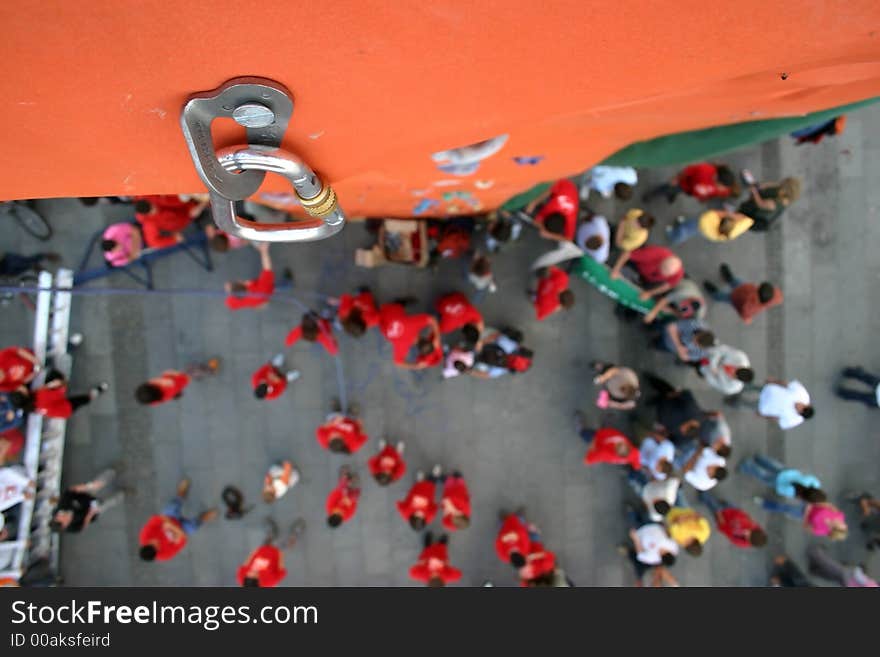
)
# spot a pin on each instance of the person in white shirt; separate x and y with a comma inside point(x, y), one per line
point(15, 486)
point(785, 403)
point(650, 547)
point(653, 546)
point(726, 369)
point(657, 455)
point(704, 469)
point(594, 237)
point(280, 478)
point(607, 180)
point(658, 496)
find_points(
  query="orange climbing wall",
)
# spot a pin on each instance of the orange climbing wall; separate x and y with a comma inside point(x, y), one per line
point(91, 91)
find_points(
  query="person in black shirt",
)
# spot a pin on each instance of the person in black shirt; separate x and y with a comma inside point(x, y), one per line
point(78, 505)
point(677, 410)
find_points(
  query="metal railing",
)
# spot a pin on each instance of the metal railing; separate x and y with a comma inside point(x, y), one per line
point(44, 439)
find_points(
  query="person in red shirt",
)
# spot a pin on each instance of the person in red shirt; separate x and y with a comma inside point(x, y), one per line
point(314, 328)
point(11, 444)
point(357, 313)
point(52, 399)
point(270, 381)
point(403, 332)
point(429, 351)
point(748, 299)
point(514, 540)
point(734, 523)
point(557, 218)
point(253, 293)
point(341, 434)
point(419, 507)
point(163, 217)
point(608, 445)
point(552, 293)
point(433, 567)
point(453, 240)
point(387, 465)
point(456, 312)
point(18, 367)
point(342, 501)
point(264, 567)
point(455, 502)
point(659, 269)
point(165, 534)
point(170, 385)
point(539, 566)
point(703, 181)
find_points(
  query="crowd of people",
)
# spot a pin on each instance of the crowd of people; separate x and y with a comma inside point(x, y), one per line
point(675, 467)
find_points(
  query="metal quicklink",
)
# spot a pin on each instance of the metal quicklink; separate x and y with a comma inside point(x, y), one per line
point(263, 107)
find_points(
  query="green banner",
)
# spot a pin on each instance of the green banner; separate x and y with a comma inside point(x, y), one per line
point(621, 290)
point(699, 145)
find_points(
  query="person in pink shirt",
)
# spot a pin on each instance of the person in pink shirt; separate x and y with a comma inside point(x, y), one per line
point(821, 519)
point(121, 243)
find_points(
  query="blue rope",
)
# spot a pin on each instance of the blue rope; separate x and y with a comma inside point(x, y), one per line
point(111, 291)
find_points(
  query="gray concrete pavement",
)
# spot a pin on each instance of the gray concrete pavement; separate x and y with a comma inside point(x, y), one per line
point(512, 438)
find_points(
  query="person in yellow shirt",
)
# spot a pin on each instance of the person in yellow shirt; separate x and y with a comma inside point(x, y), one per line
point(715, 225)
point(688, 528)
point(631, 233)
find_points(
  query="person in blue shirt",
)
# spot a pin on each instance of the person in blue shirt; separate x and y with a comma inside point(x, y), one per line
point(787, 482)
point(11, 416)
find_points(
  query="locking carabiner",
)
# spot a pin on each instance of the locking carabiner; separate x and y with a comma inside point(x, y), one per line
point(264, 108)
point(319, 200)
